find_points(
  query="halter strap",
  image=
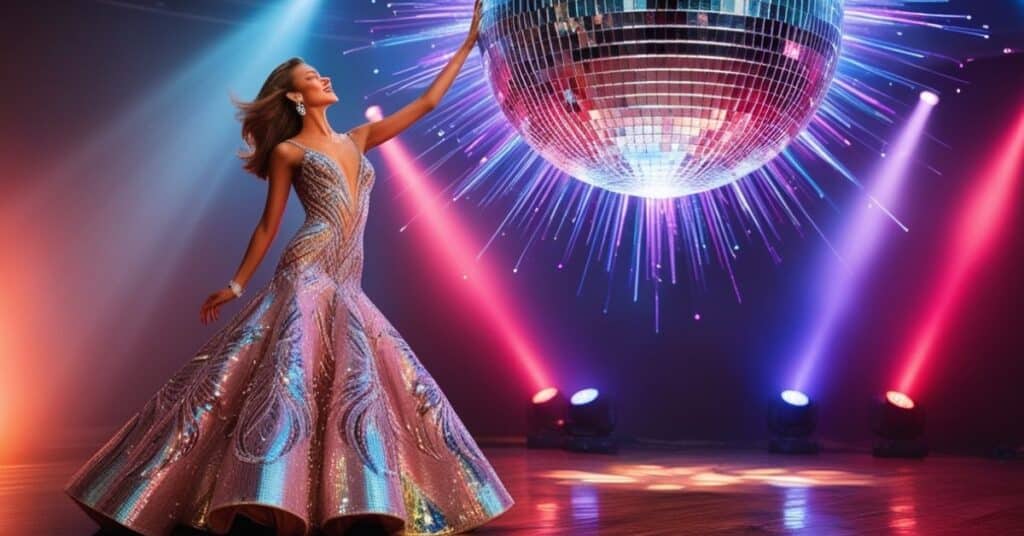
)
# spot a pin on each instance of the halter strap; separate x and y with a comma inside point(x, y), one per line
point(293, 142)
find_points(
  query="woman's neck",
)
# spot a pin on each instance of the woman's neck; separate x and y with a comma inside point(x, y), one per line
point(315, 123)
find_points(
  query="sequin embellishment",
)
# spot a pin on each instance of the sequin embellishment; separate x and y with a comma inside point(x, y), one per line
point(307, 406)
point(277, 412)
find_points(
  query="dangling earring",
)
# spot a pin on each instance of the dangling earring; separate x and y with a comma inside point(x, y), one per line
point(301, 108)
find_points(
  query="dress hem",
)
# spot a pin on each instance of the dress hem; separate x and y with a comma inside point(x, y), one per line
point(104, 519)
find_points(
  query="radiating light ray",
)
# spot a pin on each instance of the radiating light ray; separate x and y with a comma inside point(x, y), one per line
point(129, 198)
point(856, 248)
point(457, 250)
point(184, 189)
point(973, 234)
point(227, 12)
point(706, 228)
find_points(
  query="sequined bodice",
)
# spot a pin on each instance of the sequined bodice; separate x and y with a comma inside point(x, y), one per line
point(330, 241)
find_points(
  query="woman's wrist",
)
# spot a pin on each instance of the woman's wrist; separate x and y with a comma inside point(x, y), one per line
point(236, 288)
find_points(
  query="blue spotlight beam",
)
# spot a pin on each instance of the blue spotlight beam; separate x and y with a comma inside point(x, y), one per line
point(165, 158)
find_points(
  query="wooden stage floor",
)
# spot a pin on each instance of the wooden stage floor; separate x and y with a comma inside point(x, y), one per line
point(640, 492)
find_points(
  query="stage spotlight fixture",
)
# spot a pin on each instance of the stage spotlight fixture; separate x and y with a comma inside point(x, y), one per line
point(795, 398)
point(929, 98)
point(898, 422)
point(590, 423)
point(898, 399)
point(792, 419)
point(584, 396)
point(545, 419)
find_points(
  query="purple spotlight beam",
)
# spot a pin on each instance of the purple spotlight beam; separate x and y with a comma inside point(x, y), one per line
point(859, 242)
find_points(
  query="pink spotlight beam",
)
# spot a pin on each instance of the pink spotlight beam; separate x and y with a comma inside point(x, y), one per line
point(457, 249)
point(972, 235)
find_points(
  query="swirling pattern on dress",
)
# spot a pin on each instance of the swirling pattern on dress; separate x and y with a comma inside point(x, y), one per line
point(183, 402)
point(179, 435)
point(326, 413)
point(277, 412)
point(365, 420)
point(432, 405)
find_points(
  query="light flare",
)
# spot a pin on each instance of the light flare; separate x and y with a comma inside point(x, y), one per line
point(544, 395)
point(900, 400)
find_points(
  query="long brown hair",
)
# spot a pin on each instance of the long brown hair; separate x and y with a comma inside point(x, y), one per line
point(268, 120)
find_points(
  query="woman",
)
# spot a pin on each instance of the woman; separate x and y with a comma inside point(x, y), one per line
point(307, 410)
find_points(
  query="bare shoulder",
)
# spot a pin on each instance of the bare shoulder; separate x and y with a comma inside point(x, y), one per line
point(287, 151)
point(287, 154)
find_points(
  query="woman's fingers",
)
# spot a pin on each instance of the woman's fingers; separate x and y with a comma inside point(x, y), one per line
point(210, 310)
point(204, 314)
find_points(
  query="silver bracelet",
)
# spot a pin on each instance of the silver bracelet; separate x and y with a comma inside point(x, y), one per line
point(236, 289)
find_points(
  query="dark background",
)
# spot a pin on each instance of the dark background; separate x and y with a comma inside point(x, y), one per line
point(70, 65)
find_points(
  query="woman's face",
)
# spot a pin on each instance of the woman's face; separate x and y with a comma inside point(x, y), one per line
point(316, 89)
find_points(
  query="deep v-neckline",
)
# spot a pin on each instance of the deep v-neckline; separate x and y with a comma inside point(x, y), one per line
point(341, 171)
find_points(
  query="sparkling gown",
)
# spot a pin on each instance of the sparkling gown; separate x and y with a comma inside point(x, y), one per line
point(305, 409)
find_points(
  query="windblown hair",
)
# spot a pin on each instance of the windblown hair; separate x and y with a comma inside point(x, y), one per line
point(268, 120)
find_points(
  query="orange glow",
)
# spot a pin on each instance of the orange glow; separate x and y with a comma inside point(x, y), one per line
point(590, 477)
point(668, 478)
point(544, 395)
point(22, 398)
point(899, 400)
point(664, 487)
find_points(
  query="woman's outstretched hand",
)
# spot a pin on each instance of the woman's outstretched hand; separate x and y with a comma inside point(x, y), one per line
point(211, 308)
point(474, 26)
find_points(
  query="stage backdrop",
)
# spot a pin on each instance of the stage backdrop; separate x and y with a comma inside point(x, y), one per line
point(123, 207)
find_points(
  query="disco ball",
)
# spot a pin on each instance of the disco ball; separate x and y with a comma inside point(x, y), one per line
point(659, 99)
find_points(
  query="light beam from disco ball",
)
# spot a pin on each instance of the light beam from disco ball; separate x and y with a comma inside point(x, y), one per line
point(658, 238)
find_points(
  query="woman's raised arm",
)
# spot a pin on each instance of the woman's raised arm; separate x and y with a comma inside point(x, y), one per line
point(375, 133)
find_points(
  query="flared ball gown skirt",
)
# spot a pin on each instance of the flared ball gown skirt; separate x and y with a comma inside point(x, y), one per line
point(305, 411)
